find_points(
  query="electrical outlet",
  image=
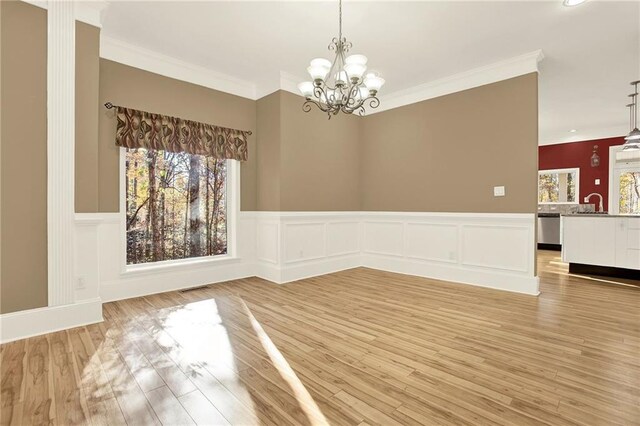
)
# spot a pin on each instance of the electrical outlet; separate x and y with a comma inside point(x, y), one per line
point(498, 191)
point(597, 181)
point(82, 283)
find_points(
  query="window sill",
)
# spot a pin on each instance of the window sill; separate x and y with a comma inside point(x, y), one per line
point(178, 265)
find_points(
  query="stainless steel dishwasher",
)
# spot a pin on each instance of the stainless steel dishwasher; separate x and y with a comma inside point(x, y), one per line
point(549, 231)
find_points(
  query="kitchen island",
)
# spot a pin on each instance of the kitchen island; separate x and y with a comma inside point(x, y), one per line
point(602, 244)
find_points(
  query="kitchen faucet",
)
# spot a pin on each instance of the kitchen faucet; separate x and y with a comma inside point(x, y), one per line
point(600, 207)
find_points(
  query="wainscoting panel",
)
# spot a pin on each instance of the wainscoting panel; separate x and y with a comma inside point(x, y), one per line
point(437, 242)
point(268, 240)
point(385, 238)
point(505, 250)
point(304, 241)
point(343, 238)
point(490, 250)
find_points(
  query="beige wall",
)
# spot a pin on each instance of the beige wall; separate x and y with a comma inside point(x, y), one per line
point(23, 113)
point(305, 161)
point(268, 164)
point(87, 84)
point(135, 88)
point(320, 165)
point(446, 154)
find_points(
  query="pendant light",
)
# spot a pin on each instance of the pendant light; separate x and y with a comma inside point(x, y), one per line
point(632, 140)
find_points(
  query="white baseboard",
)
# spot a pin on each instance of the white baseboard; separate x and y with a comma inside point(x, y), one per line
point(127, 286)
point(477, 277)
point(295, 272)
point(33, 322)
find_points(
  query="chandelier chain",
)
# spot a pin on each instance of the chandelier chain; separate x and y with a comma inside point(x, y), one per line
point(340, 20)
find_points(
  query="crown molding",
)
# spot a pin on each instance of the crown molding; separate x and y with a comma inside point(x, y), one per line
point(498, 71)
point(289, 83)
point(284, 81)
point(148, 60)
point(87, 11)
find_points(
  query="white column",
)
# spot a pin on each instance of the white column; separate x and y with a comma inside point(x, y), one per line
point(60, 150)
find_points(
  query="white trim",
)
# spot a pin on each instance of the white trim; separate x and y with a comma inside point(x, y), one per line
point(381, 240)
point(482, 278)
point(60, 152)
point(148, 60)
point(90, 11)
point(615, 168)
point(34, 322)
point(498, 71)
point(152, 61)
point(233, 210)
point(87, 11)
point(97, 218)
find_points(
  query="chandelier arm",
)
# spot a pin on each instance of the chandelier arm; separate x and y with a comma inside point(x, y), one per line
point(306, 106)
point(353, 93)
point(374, 102)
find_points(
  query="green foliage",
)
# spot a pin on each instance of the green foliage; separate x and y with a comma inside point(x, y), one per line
point(629, 201)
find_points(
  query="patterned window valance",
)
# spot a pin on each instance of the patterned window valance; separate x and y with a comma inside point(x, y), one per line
point(141, 129)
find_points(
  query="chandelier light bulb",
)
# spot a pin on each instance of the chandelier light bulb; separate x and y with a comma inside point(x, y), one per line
point(341, 77)
point(355, 71)
point(318, 73)
point(373, 83)
point(306, 89)
point(321, 62)
point(356, 59)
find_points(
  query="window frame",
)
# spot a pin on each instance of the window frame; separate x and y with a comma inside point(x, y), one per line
point(233, 212)
point(567, 170)
point(615, 169)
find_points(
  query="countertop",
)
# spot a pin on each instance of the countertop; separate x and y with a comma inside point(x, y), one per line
point(601, 215)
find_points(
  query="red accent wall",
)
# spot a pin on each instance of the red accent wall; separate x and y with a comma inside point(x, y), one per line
point(578, 154)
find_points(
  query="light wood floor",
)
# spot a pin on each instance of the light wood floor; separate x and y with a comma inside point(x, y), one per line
point(352, 348)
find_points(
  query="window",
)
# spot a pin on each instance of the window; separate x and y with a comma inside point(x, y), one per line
point(176, 206)
point(558, 186)
point(629, 191)
point(624, 181)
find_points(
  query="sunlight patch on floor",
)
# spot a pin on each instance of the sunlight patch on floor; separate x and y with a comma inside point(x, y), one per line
point(306, 401)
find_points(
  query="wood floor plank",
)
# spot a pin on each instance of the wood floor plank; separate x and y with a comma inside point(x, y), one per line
point(167, 407)
point(357, 347)
point(201, 410)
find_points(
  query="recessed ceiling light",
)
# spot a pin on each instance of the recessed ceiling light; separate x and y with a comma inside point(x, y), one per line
point(570, 3)
point(572, 131)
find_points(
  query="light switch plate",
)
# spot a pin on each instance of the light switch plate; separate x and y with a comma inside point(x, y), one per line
point(498, 191)
point(597, 181)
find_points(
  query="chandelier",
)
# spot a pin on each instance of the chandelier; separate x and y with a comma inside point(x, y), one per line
point(341, 85)
point(632, 141)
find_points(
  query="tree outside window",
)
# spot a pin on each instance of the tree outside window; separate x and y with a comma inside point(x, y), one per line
point(175, 206)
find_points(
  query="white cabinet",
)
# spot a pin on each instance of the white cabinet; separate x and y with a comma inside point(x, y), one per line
point(601, 240)
point(628, 243)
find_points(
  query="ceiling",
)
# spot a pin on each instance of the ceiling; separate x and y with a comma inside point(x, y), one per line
point(591, 51)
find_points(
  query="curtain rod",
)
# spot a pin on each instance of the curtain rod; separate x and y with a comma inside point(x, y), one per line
point(109, 105)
